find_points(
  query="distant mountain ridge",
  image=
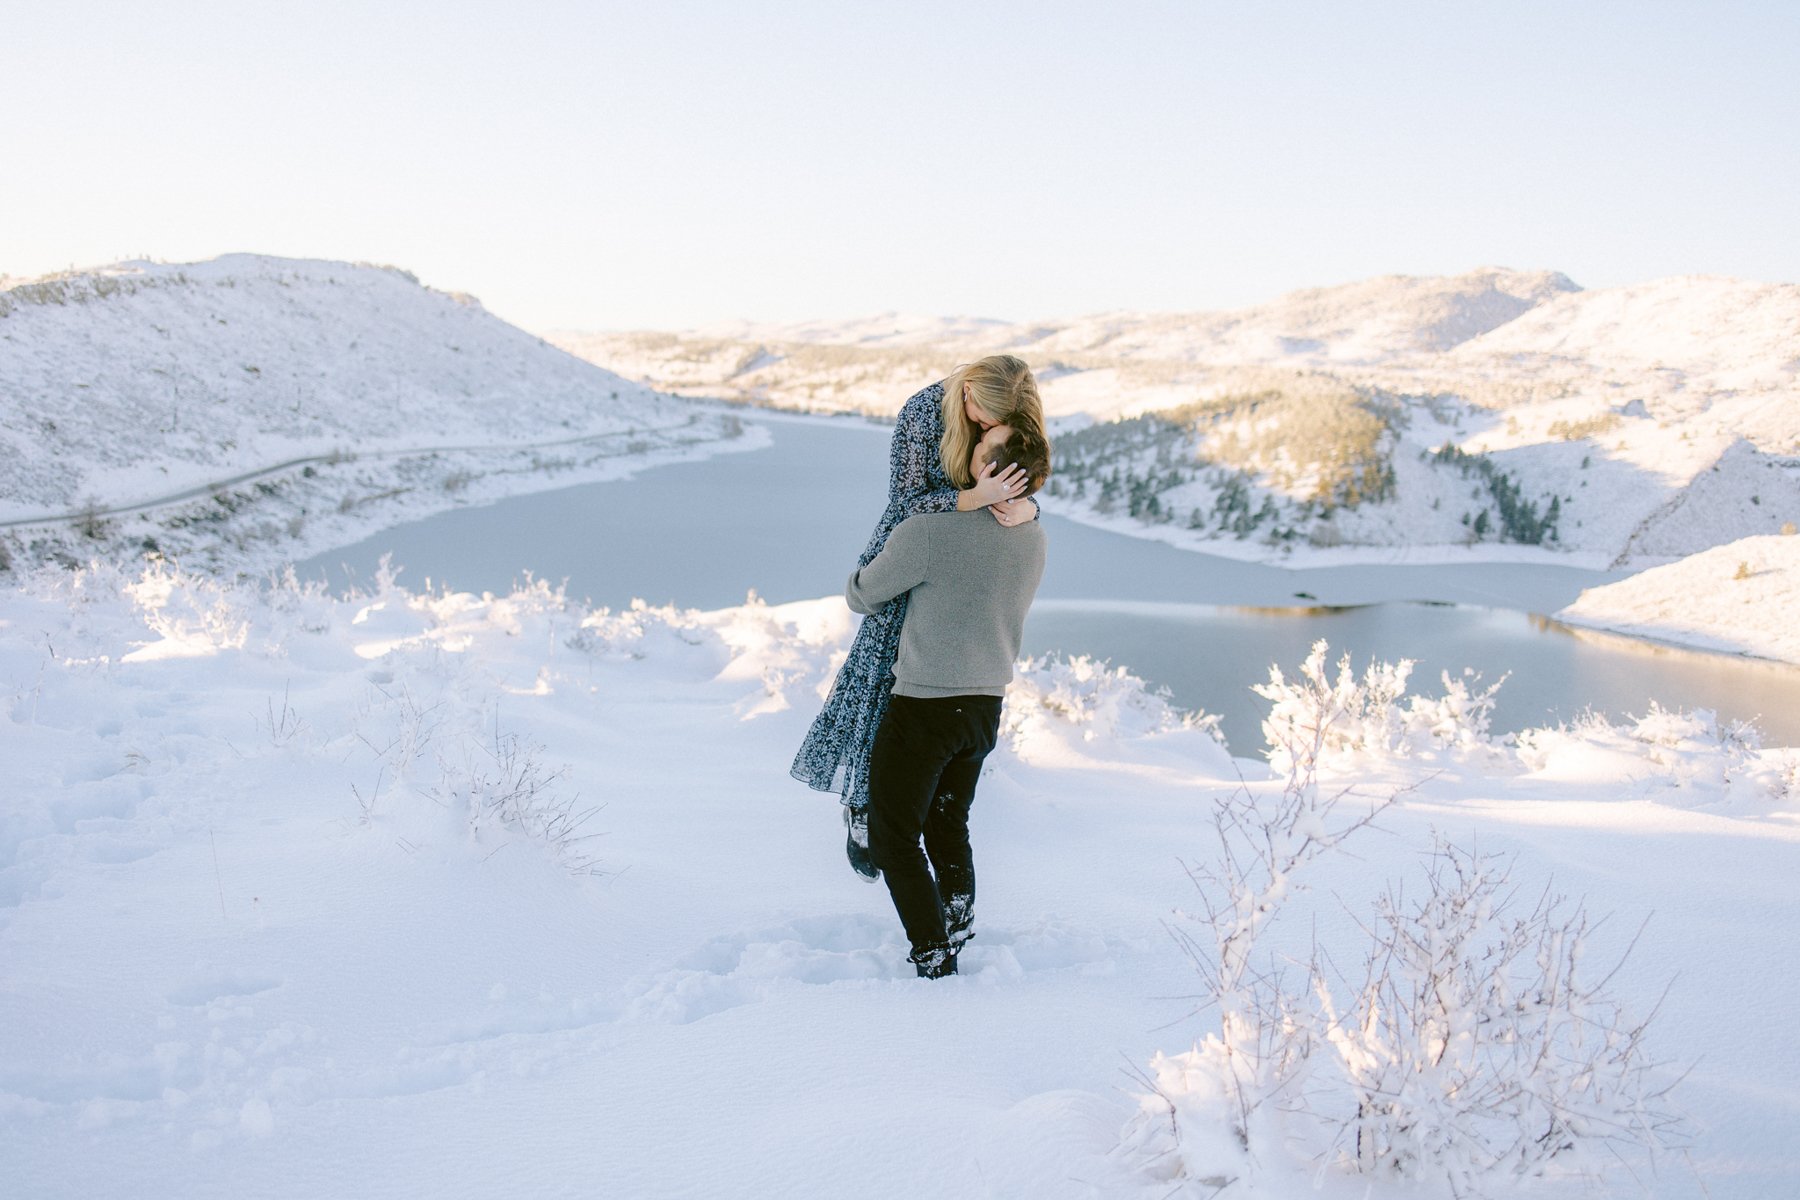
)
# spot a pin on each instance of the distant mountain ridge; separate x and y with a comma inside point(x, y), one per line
point(1658, 418)
point(1367, 321)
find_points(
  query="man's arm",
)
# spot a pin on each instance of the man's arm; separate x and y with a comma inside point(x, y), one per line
point(898, 568)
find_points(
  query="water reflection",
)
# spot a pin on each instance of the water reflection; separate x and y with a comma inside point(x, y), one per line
point(1317, 610)
point(1208, 656)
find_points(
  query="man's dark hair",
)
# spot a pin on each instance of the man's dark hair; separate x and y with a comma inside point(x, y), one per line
point(1030, 451)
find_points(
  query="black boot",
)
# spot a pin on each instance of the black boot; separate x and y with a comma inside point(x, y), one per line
point(959, 919)
point(856, 843)
point(935, 962)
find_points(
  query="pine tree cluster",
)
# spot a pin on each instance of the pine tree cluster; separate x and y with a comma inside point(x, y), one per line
point(1520, 520)
point(1271, 461)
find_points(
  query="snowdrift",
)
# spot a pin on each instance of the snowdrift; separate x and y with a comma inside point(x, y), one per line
point(415, 891)
point(1738, 598)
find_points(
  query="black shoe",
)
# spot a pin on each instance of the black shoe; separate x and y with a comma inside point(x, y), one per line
point(856, 843)
point(935, 963)
point(959, 919)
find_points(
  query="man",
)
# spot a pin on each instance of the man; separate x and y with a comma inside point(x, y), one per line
point(972, 580)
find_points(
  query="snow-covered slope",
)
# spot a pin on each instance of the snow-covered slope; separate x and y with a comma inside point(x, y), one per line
point(1741, 597)
point(120, 382)
point(1699, 334)
point(294, 902)
point(142, 381)
point(1660, 418)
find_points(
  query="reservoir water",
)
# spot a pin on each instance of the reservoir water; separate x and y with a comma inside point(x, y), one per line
point(788, 520)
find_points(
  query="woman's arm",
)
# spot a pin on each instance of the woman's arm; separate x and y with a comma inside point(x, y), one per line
point(916, 480)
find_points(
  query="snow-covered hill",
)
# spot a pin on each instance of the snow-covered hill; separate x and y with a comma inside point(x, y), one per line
point(140, 381)
point(1740, 598)
point(1659, 419)
point(1702, 336)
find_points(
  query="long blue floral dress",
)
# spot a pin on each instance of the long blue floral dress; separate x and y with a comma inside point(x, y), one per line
point(835, 755)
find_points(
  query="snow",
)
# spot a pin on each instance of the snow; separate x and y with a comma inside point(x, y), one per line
point(1653, 412)
point(1713, 334)
point(281, 912)
point(412, 892)
point(1739, 598)
point(1370, 319)
point(280, 406)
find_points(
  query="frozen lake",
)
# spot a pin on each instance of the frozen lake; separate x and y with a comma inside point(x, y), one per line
point(787, 522)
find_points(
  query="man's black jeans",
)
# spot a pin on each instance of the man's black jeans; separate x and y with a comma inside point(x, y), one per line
point(922, 773)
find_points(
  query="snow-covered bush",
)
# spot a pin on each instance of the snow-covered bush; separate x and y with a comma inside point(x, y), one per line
point(191, 613)
point(502, 787)
point(1102, 700)
point(1689, 757)
point(1213, 1110)
point(396, 727)
point(635, 631)
point(1343, 718)
point(1480, 1049)
point(296, 606)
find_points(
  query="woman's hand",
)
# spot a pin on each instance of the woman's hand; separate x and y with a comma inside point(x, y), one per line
point(991, 488)
point(1014, 512)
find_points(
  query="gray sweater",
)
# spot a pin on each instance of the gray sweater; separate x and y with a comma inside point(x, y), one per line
point(972, 579)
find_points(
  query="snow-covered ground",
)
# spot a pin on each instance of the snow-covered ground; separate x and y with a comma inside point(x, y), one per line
point(407, 893)
point(411, 894)
point(250, 409)
point(1739, 598)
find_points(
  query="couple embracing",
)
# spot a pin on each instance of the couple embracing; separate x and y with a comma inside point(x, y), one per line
point(943, 587)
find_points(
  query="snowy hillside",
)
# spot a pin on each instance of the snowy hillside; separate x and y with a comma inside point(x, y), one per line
point(1128, 357)
point(139, 382)
point(427, 894)
point(1699, 335)
point(1444, 415)
point(1741, 598)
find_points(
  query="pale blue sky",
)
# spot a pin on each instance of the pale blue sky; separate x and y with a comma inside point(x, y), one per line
point(659, 164)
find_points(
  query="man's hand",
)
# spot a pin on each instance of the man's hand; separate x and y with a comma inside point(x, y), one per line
point(1013, 512)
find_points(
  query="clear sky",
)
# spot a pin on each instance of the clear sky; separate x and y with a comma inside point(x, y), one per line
point(666, 163)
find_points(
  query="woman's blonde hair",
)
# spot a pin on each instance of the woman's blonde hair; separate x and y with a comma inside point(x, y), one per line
point(1003, 389)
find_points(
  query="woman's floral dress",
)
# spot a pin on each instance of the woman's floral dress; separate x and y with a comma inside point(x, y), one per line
point(835, 755)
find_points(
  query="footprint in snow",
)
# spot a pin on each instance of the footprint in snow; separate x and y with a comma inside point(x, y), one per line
point(1048, 945)
point(202, 992)
point(742, 968)
point(117, 851)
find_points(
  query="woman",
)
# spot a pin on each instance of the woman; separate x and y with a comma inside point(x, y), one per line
point(929, 463)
